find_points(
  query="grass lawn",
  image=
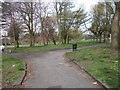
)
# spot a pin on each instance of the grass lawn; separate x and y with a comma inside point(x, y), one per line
point(52, 47)
point(12, 69)
point(101, 61)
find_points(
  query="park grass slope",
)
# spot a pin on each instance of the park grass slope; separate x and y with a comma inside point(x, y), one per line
point(100, 61)
point(42, 48)
point(12, 69)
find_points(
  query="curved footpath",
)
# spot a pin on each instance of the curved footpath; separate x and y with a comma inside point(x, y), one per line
point(50, 70)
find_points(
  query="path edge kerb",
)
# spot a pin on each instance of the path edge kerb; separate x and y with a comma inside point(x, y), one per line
point(106, 87)
point(20, 80)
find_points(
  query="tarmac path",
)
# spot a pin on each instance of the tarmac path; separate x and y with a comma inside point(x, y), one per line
point(52, 70)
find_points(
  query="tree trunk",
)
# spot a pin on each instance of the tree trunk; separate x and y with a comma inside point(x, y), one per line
point(68, 39)
point(104, 38)
point(31, 32)
point(17, 43)
point(62, 41)
point(97, 38)
point(16, 38)
point(115, 27)
point(53, 39)
point(47, 40)
point(32, 39)
point(100, 38)
point(58, 24)
point(44, 43)
point(65, 39)
point(119, 37)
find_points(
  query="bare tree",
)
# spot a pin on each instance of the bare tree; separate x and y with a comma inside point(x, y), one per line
point(67, 18)
point(26, 10)
point(42, 14)
point(13, 21)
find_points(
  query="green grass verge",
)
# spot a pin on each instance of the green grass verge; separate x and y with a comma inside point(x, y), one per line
point(52, 47)
point(12, 69)
point(101, 61)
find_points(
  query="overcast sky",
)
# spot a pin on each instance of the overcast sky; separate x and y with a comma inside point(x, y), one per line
point(87, 4)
